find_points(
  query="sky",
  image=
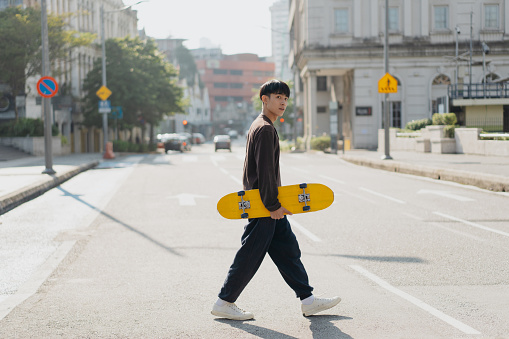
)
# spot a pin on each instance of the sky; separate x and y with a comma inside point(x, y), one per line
point(237, 26)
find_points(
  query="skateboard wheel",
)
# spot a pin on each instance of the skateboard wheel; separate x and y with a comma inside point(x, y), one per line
point(303, 185)
point(306, 208)
point(244, 215)
point(241, 193)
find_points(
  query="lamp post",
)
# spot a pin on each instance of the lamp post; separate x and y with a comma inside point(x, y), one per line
point(103, 55)
point(387, 118)
point(46, 104)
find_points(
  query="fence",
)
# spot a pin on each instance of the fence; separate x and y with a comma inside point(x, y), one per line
point(487, 90)
point(487, 124)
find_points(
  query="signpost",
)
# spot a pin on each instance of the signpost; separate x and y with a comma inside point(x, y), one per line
point(388, 84)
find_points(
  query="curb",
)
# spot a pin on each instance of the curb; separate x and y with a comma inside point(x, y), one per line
point(490, 182)
point(28, 193)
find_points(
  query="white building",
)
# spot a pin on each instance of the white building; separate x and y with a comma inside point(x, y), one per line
point(337, 52)
point(67, 113)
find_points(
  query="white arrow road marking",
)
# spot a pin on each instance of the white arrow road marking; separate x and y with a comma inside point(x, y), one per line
point(186, 199)
point(445, 194)
point(419, 303)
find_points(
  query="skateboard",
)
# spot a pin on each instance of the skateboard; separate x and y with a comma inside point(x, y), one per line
point(301, 198)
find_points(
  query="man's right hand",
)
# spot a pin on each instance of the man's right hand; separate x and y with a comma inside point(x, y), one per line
point(280, 213)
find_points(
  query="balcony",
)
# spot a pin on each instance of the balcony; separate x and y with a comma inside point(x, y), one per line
point(489, 90)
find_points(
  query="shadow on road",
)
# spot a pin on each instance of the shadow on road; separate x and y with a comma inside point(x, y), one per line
point(260, 332)
point(130, 228)
point(322, 326)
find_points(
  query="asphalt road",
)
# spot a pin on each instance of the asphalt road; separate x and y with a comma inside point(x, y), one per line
point(136, 248)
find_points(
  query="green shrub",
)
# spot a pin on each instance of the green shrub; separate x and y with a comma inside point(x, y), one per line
point(120, 146)
point(320, 143)
point(26, 127)
point(449, 131)
point(416, 125)
point(444, 119)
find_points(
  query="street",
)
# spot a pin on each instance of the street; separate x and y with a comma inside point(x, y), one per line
point(135, 248)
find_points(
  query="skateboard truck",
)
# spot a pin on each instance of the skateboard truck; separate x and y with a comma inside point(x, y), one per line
point(243, 205)
point(304, 197)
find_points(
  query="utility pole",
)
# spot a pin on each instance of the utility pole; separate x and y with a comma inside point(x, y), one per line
point(103, 54)
point(46, 103)
point(387, 118)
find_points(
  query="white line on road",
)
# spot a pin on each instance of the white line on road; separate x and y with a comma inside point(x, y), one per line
point(31, 286)
point(446, 195)
point(303, 230)
point(382, 195)
point(431, 310)
point(473, 224)
point(332, 179)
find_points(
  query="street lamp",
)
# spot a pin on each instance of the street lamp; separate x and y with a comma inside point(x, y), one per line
point(103, 55)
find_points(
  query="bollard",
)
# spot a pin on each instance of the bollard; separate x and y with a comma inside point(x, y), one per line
point(108, 154)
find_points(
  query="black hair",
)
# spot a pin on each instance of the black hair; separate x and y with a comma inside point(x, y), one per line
point(274, 87)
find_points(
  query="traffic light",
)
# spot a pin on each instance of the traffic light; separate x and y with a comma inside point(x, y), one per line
point(184, 122)
point(282, 120)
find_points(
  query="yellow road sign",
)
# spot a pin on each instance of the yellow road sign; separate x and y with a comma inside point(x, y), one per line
point(388, 84)
point(103, 93)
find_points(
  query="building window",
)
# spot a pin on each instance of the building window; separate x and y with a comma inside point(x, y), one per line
point(220, 71)
point(394, 19)
point(220, 85)
point(395, 114)
point(491, 17)
point(321, 109)
point(321, 84)
point(236, 85)
point(341, 21)
point(441, 17)
point(236, 72)
point(220, 98)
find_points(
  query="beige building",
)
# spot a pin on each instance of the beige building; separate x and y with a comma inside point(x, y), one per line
point(337, 54)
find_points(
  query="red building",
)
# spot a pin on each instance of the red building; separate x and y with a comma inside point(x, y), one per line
point(232, 80)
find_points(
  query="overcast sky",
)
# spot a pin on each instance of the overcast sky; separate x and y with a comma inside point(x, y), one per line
point(237, 26)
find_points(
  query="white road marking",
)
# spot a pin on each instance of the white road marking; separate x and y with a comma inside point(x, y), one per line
point(303, 230)
point(445, 194)
point(31, 286)
point(186, 199)
point(458, 232)
point(382, 195)
point(431, 310)
point(473, 224)
point(332, 179)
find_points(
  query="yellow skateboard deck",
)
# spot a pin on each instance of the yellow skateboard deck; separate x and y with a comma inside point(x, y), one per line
point(301, 198)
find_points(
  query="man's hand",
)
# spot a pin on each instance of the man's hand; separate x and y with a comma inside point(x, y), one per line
point(280, 213)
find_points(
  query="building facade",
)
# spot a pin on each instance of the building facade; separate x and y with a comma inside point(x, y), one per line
point(337, 54)
point(119, 22)
point(279, 12)
point(232, 81)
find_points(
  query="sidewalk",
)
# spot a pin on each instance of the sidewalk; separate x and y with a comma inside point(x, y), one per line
point(21, 179)
point(487, 172)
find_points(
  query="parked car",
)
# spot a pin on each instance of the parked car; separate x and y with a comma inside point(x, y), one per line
point(198, 138)
point(173, 142)
point(222, 142)
point(233, 134)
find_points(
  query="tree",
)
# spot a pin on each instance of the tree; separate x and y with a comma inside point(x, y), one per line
point(141, 82)
point(20, 45)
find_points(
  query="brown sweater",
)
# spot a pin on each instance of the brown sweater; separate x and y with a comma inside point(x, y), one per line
point(261, 165)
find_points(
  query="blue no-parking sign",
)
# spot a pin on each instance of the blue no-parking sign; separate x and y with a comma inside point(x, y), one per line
point(47, 87)
point(104, 106)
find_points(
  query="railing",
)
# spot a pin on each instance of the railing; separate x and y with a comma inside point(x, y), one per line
point(487, 90)
point(489, 124)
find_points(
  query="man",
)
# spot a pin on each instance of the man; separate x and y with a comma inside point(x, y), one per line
point(272, 235)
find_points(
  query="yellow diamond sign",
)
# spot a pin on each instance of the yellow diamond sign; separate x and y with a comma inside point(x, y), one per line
point(388, 84)
point(103, 93)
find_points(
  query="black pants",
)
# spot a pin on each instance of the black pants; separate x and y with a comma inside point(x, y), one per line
point(261, 236)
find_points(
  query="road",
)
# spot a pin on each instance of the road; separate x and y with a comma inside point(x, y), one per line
point(136, 248)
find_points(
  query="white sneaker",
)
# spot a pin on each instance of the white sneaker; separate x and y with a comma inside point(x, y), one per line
point(319, 304)
point(231, 311)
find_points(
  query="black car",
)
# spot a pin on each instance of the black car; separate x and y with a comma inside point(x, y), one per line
point(173, 142)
